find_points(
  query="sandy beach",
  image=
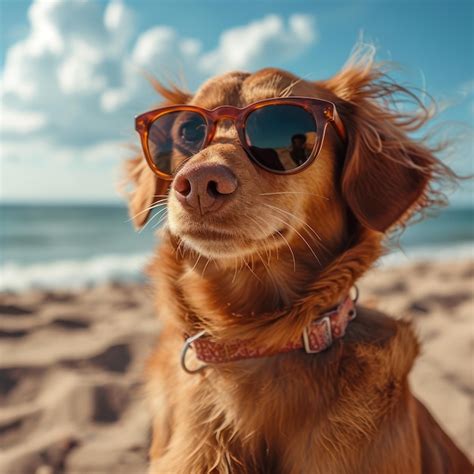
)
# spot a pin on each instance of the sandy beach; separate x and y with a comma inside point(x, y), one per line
point(71, 364)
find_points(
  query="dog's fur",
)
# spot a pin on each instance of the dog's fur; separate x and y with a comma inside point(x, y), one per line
point(348, 409)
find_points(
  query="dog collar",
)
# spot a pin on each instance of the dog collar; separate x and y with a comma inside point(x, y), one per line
point(317, 337)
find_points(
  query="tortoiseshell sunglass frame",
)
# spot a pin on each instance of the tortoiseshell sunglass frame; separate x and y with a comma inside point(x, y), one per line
point(323, 112)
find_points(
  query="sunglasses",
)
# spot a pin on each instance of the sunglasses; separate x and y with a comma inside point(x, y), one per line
point(281, 135)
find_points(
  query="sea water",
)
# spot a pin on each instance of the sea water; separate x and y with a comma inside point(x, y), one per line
point(50, 246)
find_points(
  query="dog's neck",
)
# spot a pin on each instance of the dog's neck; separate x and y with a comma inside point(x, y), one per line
point(251, 285)
point(270, 299)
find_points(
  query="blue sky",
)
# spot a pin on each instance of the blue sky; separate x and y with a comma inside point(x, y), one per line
point(71, 82)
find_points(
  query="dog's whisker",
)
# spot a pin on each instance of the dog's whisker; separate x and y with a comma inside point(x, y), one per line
point(153, 206)
point(205, 266)
point(159, 213)
point(266, 247)
point(251, 270)
point(237, 264)
point(148, 209)
point(289, 248)
point(179, 249)
point(261, 258)
point(196, 262)
point(296, 218)
point(186, 250)
point(161, 220)
point(301, 237)
point(276, 231)
point(270, 274)
point(269, 250)
point(263, 263)
point(276, 246)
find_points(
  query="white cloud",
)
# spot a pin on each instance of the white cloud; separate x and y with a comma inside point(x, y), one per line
point(22, 122)
point(78, 73)
point(267, 40)
point(79, 58)
point(71, 87)
point(74, 52)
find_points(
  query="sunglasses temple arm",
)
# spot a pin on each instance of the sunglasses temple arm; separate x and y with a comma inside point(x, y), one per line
point(339, 126)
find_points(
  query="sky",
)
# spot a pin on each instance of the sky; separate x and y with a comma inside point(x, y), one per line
point(72, 72)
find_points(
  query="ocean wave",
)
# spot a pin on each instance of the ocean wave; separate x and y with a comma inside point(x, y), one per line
point(106, 268)
point(72, 273)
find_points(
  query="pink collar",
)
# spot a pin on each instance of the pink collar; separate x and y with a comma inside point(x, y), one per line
point(317, 337)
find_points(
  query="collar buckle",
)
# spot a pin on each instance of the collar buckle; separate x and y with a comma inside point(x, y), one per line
point(184, 350)
point(315, 340)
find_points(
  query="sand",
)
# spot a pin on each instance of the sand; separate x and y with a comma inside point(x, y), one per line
point(71, 364)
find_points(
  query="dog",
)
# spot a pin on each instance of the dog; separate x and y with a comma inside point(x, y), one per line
point(278, 194)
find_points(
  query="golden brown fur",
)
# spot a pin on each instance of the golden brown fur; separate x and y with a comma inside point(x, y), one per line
point(348, 409)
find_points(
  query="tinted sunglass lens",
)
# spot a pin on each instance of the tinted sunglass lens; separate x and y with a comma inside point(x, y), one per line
point(175, 136)
point(281, 137)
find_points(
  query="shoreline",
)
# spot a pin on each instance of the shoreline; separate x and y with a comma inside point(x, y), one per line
point(128, 269)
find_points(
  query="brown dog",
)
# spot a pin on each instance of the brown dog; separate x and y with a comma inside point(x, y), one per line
point(252, 257)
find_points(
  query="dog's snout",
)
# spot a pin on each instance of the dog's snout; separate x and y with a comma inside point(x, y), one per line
point(205, 188)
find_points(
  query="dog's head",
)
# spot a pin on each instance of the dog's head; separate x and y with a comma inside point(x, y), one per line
point(222, 205)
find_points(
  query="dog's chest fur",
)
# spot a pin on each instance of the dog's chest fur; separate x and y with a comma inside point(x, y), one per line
point(320, 409)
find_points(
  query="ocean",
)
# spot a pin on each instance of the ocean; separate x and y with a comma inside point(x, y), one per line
point(51, 246)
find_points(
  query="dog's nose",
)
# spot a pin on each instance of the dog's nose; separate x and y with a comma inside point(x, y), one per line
point(205, 188)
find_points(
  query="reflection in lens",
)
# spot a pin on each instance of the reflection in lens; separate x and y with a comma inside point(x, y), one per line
point(281, 137)
point(174, 137)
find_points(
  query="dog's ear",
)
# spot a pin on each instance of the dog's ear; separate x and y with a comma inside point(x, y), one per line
point(147, 187)
point(387, 175)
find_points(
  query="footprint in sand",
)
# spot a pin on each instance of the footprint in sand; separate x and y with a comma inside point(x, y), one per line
point(16, 428)
point(397, 287)
point(13, 333)
point(70, 324)
point(20, 385)
point(14, 310)
point(109, 403)
point(447, 302)
point(115, 358)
